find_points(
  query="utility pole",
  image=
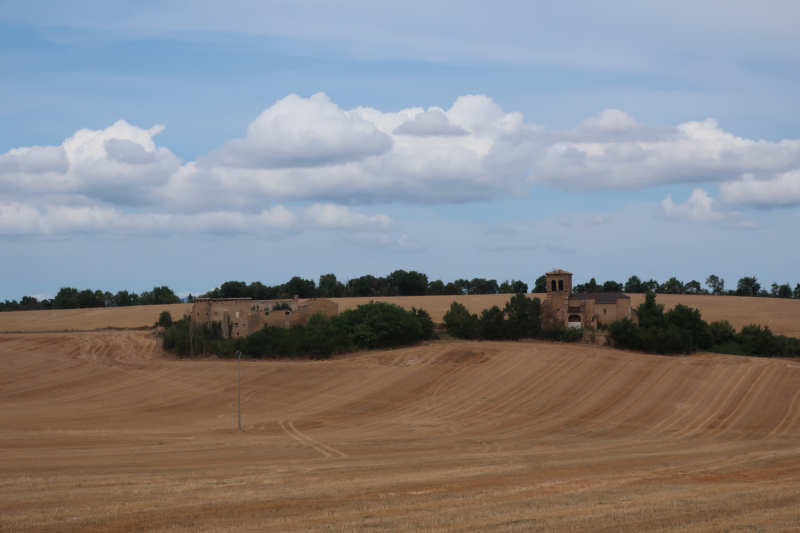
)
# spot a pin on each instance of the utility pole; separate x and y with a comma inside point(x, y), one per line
point(239, 384)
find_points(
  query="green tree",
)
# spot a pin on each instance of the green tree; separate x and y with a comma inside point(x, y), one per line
point(491, 324)
point(329, 286)
point(381, 325)
point(460, 323)
point(612, 286)
point(402, 283)
point(634, 285)
point(159, 296)
point(164, 319)
point(748, 286)
point(523, 317)
point(693, 287)
point(797, 291)
point(673, 286)
point(436, 288)
point(540, 286)
point(303, 288)
point(651, 314)
point(234, 289)
point(723, 331)
point(715, 284)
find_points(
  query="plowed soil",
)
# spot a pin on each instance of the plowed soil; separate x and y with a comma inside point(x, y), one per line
point(100, 432)
point(782, 316)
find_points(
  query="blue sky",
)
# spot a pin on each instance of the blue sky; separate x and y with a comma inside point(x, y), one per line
point(462, 139)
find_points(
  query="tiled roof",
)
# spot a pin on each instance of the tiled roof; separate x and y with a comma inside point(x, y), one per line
point(599, 297)
point(558, 271)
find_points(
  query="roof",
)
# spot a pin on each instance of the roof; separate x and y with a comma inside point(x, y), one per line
point(599, 297)
point(558, 271)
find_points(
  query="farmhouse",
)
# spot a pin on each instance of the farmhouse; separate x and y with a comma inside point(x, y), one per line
point(585, 310)
point(241, 317)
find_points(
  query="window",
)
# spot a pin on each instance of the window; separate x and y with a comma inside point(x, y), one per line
point(561, 284)
point(287, 312)
point(236, 325)
point(604, 311)
point(553, 284)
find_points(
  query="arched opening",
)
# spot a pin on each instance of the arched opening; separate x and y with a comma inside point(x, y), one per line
point(574, 322)
point(561, 284)
point(553, 284)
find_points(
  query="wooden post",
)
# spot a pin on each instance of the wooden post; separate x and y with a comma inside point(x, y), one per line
point(239, 385)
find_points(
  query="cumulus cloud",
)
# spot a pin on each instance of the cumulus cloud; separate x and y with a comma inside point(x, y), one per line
point(613, 151)
point(780, 191)
point(431, 122)
point(303, 132)
point(309, 149)
point(699, 207)
point(119, 164)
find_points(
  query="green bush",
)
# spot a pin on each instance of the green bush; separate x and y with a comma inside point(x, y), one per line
point(164, 319)
point(460, 323)
point(523, 317)
point(491, 324)
point(722, 331)
point(380, 325)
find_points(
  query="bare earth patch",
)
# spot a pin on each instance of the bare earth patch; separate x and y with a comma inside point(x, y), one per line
point(100, 433)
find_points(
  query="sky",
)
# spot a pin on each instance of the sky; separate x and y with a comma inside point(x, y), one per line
point(169, 142)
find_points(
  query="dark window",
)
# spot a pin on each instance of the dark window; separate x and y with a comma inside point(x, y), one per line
point(287, 312)
point(561, 284)
point(604, 311)
point(236, 325)
point(553, 284)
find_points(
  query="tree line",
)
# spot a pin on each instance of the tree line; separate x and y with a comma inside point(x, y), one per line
point(72, 298)
point(746, 286)
point(682, 330)
point(398, 283)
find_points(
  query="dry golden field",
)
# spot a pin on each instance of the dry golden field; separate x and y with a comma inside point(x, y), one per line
point(782, 316)
point(100, 432)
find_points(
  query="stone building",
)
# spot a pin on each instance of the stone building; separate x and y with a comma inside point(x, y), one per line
point(241, 317)
point(585, 309)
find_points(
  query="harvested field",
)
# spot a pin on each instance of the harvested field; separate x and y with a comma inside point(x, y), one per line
point(782, 316)
point(100, 433)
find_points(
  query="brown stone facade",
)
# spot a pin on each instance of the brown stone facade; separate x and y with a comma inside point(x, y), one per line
point(241, 317)
point(584, 310)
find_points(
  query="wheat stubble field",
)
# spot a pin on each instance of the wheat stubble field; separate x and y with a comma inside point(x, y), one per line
point(100, 432)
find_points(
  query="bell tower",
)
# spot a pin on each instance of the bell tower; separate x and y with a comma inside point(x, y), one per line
point(559, 282)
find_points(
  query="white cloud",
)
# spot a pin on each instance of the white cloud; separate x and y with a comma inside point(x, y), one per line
point(699, 207)
point(303, 132)
point(23, 219)
point(310, 149)
point(431, 122)
point(613, 151)
point(340, 217)
point(781, 191)
point(119, 164)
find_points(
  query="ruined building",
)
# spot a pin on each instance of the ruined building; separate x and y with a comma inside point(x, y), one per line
point(242, 316)
point(587, 309)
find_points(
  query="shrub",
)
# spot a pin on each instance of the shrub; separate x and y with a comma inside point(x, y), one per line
point(460, 323)
point(758, 341)
point(523, 317)
point(625, 334)
point(425, 320)
point(491, 324)
point(164, 319)
point(722, 331)
point(380, 325)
